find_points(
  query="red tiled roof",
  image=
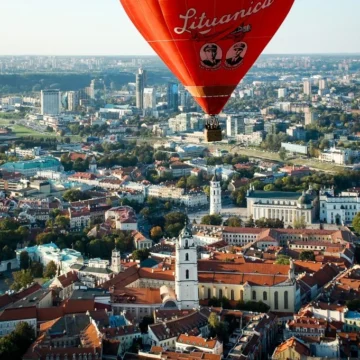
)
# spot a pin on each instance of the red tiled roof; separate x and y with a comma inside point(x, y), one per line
point(13, 314)
point(77, 306)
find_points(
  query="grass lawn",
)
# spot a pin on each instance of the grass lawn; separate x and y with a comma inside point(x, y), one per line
point(20, 130)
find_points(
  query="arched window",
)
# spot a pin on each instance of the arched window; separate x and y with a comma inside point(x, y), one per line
point(186, 257)
point(220, 294)
point(209, 294)
point(187, 274)
point(232, 295)
point(276, 300)
point(242, 295)
point(186, 243)
point(254, 295)
point(286, 300)
point(265, 295)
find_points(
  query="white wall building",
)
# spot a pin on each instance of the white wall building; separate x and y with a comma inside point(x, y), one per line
point(235, 125)
point(339, 209)
point(285, 206)
point(149, 99)
point(338, 156)
point(50, 102)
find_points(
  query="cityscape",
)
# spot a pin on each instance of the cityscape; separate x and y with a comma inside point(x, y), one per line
point(128, 233)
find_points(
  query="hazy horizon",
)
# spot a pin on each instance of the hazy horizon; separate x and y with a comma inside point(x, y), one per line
point(101, 28)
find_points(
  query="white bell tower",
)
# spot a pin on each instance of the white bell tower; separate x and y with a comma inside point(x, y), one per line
point(186, 272)
point(215, 195)
point(116, 261)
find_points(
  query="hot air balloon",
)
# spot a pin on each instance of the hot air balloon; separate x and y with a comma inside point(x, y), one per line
point(209, 45)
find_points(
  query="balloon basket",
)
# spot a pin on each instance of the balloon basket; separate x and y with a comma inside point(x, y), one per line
point(212, 135)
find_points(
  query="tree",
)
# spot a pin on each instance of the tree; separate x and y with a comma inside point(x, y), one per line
point(269, 187)
point(234, 221)
point(356, 223)
point(300, 223)
point(62, 222)
point(174, 223)
point(14, 345)
point(7, 253)
point(211, 220)
point(36, 269)
point(156, 233)
point(282, 154)
point(307, 255)
point(141, 254)
point(24, 260)
point(22, 279)
point(75, 195)
point(192, 182)
point(250, 222)
point(282, 260)
point(213, 320)
point(181, 183)
point(50, 270)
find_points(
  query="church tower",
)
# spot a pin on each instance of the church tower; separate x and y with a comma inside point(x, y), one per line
point(186, 273)
point(93, 166)
point(115, 261)
point(215, 195)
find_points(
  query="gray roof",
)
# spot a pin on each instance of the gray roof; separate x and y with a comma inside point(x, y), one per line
point(95, 270)
point(275, 195)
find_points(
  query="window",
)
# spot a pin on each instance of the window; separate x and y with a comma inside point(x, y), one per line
point(186, 243)
point(187, 274)
point(186, 257)
point(220, 294)
point(209, 294)
point(254, 295)
point(232, 295)
point(264, 295)
point(276, 300)
point(241, 295)
point(286, 300)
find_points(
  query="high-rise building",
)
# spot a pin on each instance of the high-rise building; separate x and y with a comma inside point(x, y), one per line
point(215, 195)
point(140, 86)
point(235, 125)
point(149, 102)
point(96, 87)
point(72, 100)
point(50, 102)
point(282, 93)
point(310, 116)
point(173, 96)
point(186, 271)
point(307, 87)
point(322, 84)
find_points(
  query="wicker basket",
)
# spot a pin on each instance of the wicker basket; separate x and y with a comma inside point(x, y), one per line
point(212, 135)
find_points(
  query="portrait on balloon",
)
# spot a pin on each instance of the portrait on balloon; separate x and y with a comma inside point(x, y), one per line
point(211, 55)
point(236, 54)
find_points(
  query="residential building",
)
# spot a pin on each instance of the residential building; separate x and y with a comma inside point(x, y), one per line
point(140, 241)
point(295, 148)
point(297, 133)
point(11, 317)
point(124, 218)
point(282, 93)
point(189, 343)
point(307, 87)
point(293, 348)
point(50, 102)
point(73, 100)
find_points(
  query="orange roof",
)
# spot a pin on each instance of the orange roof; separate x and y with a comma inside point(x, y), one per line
point(48, 325)
point(136, 296)
point(13, 314)
point(196, 341)
point(297, 345)
point(90, 337)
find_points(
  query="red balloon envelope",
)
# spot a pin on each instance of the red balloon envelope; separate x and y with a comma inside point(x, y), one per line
point(208, 44)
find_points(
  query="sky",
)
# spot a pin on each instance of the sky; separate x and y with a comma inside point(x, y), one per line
point(101, 27)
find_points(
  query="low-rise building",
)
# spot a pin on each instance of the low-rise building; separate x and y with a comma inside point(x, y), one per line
point(124, 217)
point(190, 343)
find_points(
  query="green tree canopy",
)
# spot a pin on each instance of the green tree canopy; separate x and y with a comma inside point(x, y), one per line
point(307, 255)
point(24, 260)
point(50, 270)
point(211, 220)
point(22, 279)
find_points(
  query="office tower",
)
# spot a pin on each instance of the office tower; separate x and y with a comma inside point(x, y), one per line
point(149, 101)
point(307, 87)
point(50, 102)
point(72, 100)
point(173, 96)
point(140, 85)
point(235, 125)
point(282, 93)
